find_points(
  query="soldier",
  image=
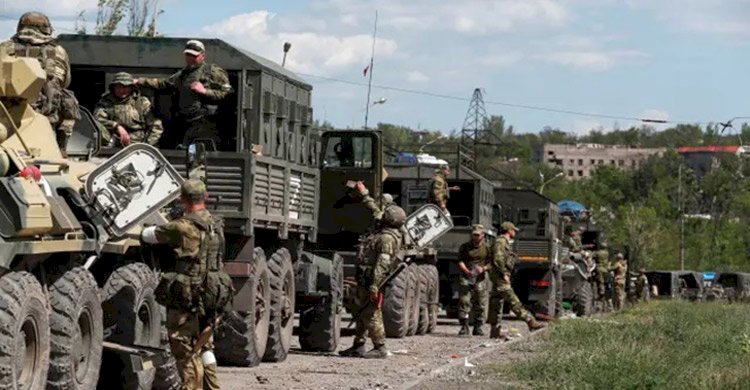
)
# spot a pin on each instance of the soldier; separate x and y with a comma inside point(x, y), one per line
point(127, 114)
point(500, 271)
point(34, 39)
point(185, 312)
point(198, 90)
point(439, 191)
point(601, 257)
point(473, 258)
point(620, 270)
point(377, 208)
point(372, 269)
point(642, 289)
point(574, 241)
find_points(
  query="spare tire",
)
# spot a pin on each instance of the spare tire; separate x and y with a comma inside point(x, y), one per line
point(24, 334)
point(281, 319)
point(397, 306)
point(242, 334)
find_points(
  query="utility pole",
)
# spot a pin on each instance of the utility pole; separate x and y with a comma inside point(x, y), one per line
point(682, 218)
point(372, 63)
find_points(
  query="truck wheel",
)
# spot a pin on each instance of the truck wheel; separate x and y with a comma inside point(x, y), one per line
point(133, 317)
point(282, 306)
point(397, 306)
point(24, 333)
point(424, 315)
point(320, 325)
point(415, 299)
point(434, 296)
point(166, 376)
point(76, 331)
point(583, 301)
point(241, 337)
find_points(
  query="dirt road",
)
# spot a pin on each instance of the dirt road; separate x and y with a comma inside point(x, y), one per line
point(414, 358)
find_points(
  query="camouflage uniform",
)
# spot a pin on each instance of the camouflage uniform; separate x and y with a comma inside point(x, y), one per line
point(34, 39)
point(574, 244)
point(641, 287)
point(210, 373)
point(471, 290)
point(196, 113)
point(601, 257)
point(132, 113)
point(373, 267)
point(620, 270)
point(503, 263)
point(183, 322)
point(439, 193)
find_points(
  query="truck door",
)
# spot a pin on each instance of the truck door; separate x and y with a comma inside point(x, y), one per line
point(348, 155)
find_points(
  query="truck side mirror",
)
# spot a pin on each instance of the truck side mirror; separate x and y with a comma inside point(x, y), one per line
point(196, 161)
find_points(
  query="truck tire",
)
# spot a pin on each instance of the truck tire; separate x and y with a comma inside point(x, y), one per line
point(166, 376)
point(133, 317)
point(415, 299)
point(434, 297)
point(397, 306)
point(241, 337)
point(583, 300)
point(281, 321)
point(424, 315)
point(24, 333)
point(320, 326)
point(75, 331)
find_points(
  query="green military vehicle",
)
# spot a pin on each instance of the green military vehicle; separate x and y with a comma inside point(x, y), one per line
point(278, 185)
point(72, 273)
point(409, 178)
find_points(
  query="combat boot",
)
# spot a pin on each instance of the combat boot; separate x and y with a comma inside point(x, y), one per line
point(356, 350)
point(533, 325)
point(464, 327)
point(495, 332)
point(478, 328)
point(379, 352)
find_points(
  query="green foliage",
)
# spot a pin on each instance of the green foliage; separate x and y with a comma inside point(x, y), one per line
point(660, 345)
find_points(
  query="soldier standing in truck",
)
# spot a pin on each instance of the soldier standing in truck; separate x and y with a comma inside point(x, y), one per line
point(473, 258)
point(439, 192)
point(198, 89)
point(127, 114)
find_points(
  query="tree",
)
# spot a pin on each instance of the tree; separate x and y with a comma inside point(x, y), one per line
point(108, 16)
point(142, 17)
point(140, 12)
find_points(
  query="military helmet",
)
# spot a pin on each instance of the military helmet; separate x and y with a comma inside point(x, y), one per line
point(122, 78)
point(394, 216)
point(193, 189)
point(35, 20)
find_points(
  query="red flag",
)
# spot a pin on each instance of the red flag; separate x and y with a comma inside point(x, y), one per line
point(364, 73)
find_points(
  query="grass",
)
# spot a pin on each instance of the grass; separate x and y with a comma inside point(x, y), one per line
point(660, 345)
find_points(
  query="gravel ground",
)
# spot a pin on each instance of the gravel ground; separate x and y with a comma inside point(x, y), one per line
point(414, 359)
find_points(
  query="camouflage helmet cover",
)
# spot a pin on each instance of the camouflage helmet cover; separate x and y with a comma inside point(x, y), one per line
point(193, 189)
point(122, 78)
point(394, 216)
point(35, 20)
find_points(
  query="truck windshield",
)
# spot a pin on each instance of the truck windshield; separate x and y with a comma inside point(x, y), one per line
point(348, 151)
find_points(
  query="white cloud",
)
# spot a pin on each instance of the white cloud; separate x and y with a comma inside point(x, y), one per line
point(584, 126)
point(586, 52)
point(311, 51)
point(417, 77)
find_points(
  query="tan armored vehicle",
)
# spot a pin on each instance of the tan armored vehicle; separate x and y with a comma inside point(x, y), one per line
point(71, 272)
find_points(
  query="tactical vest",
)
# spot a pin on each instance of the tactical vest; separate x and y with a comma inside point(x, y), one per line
point(192, 106)
point(365, 258)
point(46, 54)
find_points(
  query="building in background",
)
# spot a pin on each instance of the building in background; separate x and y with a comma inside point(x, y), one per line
point(702, 159)
point(579, 161)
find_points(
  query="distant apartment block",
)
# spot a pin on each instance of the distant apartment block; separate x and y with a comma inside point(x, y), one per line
point(580, 160)
point(702, 159)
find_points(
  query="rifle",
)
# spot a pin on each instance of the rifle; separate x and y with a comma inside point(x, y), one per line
point(205, 335)
point(401, 266)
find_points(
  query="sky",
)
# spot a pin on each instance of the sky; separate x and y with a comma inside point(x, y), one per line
point(682, 61)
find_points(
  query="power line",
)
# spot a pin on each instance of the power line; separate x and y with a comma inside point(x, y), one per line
point(507, 104)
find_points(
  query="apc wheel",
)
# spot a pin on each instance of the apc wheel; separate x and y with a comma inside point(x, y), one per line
point(397, 306)
point(320, 326)
point(433, 295)
point(282, 306)
point(242, 335)
point(423, 302)
point(76, 331)
point(24, 333)
point(134, 318)
point(415, 299)
point(166, 376)
point(583, 301)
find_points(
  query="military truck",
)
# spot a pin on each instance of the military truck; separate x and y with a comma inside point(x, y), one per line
point(409, 181)
point(676, 284)
point(289, 220)
point(72, 272)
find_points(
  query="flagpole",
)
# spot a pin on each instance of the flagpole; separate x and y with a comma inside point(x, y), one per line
point(372, 61)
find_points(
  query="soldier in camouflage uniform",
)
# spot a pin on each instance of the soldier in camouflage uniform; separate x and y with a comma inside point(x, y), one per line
point(34, 39)
point(198, 89)
point(500, 271)
point(574, 241)
point(377, 208)
point(439, 191)
point(601, 256)
point(642, 289)
point(372, 269)
point(620, 270)
point(127, 114)
point(473, 259)
point(184, 235)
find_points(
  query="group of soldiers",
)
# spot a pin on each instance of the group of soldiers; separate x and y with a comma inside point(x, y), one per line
point(125, 114)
